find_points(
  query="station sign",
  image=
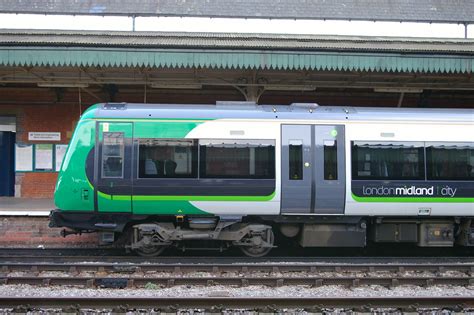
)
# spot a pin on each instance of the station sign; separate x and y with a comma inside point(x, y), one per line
point(44, 136)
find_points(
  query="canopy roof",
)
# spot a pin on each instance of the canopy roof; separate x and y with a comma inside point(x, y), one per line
point(454, 11)
point(234, 51)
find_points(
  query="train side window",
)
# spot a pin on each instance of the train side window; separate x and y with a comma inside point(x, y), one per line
point(247, 159)
point(374, 160)
point(330, 159)
point(449, 161)
point(167, 158)
point(295, 149)
point(112, 155)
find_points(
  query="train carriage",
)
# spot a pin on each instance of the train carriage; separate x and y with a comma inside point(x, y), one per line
point(232, 174)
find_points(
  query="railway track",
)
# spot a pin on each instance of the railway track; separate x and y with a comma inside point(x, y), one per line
point(126, 275)
point(286, 252)
point(214, 304)
point(218, 278)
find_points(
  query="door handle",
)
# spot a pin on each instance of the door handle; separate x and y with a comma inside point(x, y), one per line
point(307, 164)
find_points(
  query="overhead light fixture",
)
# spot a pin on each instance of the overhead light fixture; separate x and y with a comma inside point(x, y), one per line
point(397, 90)
point(72, 85)
point(181, 86)
point(272, 87)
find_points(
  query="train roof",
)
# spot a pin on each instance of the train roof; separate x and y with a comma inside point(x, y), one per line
point(299, 111)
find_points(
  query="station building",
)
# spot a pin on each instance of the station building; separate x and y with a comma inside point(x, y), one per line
point(49, 77)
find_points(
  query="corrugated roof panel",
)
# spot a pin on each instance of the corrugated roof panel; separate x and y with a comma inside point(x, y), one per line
point(393, 10)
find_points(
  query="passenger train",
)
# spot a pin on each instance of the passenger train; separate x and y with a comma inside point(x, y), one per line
point(234, 174)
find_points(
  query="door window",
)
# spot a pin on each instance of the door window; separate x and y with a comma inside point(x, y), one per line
point(295, 149)
point(330, 159)
point(112, 155)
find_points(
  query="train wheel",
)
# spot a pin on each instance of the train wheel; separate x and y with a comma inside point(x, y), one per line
point(257, 250)
point(146, 244)
point(150, 251)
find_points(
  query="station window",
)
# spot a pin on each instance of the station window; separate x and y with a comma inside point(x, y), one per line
point(167, 158)
point(112, 155)
point(450, 161)
point(388, 160)
point(251, 159)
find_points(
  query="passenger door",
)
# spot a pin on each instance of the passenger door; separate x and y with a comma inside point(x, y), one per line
point(296, 169)
point(312, 169)
point(114, 167)
point(329, 169)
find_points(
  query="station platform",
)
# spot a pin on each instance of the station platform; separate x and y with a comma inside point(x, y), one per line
point(24, 223)
point(10, 206)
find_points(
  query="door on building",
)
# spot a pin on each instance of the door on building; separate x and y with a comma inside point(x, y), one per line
point(7, 163)
point(114, 163)
point(313, 169)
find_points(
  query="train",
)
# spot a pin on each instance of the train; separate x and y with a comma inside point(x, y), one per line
point(147, 177)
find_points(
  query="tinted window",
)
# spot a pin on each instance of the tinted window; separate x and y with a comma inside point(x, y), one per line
point(295, 149)
point(450, 161)
point(237, 159)
point(330, 159)
point(167, 158)
point(387, 160)
point(112, 155)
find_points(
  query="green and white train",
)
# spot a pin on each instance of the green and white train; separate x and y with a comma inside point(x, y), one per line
point(233, 174)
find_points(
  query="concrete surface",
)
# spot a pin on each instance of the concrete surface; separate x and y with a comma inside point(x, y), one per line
point(10, 206)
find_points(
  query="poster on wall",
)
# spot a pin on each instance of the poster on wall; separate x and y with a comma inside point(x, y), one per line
point(23, 157)
point(60, 151)
point(44, 157)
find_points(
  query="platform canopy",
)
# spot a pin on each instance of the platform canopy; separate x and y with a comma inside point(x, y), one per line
point(249, 63)
point(234, 51)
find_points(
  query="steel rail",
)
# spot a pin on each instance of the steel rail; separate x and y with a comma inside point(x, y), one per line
point(122, 303)
point(288, 254)
point(77, 267)
point(141, 282)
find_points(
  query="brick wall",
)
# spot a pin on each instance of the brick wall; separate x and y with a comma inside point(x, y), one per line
point(38, 185)
point(34, 231)
point(44, 118)
point(40, 110)
point(47, 118)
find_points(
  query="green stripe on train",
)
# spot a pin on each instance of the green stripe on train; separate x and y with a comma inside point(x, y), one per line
point(188, 198)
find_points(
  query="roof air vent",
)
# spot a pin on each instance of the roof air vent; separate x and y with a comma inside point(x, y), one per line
point(304, 105)
point(235, 105)
point(115, 106)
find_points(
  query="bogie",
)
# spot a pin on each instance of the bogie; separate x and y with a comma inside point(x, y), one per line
point(151, 239)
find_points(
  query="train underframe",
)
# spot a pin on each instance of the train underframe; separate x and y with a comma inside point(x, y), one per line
point(255, 235)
